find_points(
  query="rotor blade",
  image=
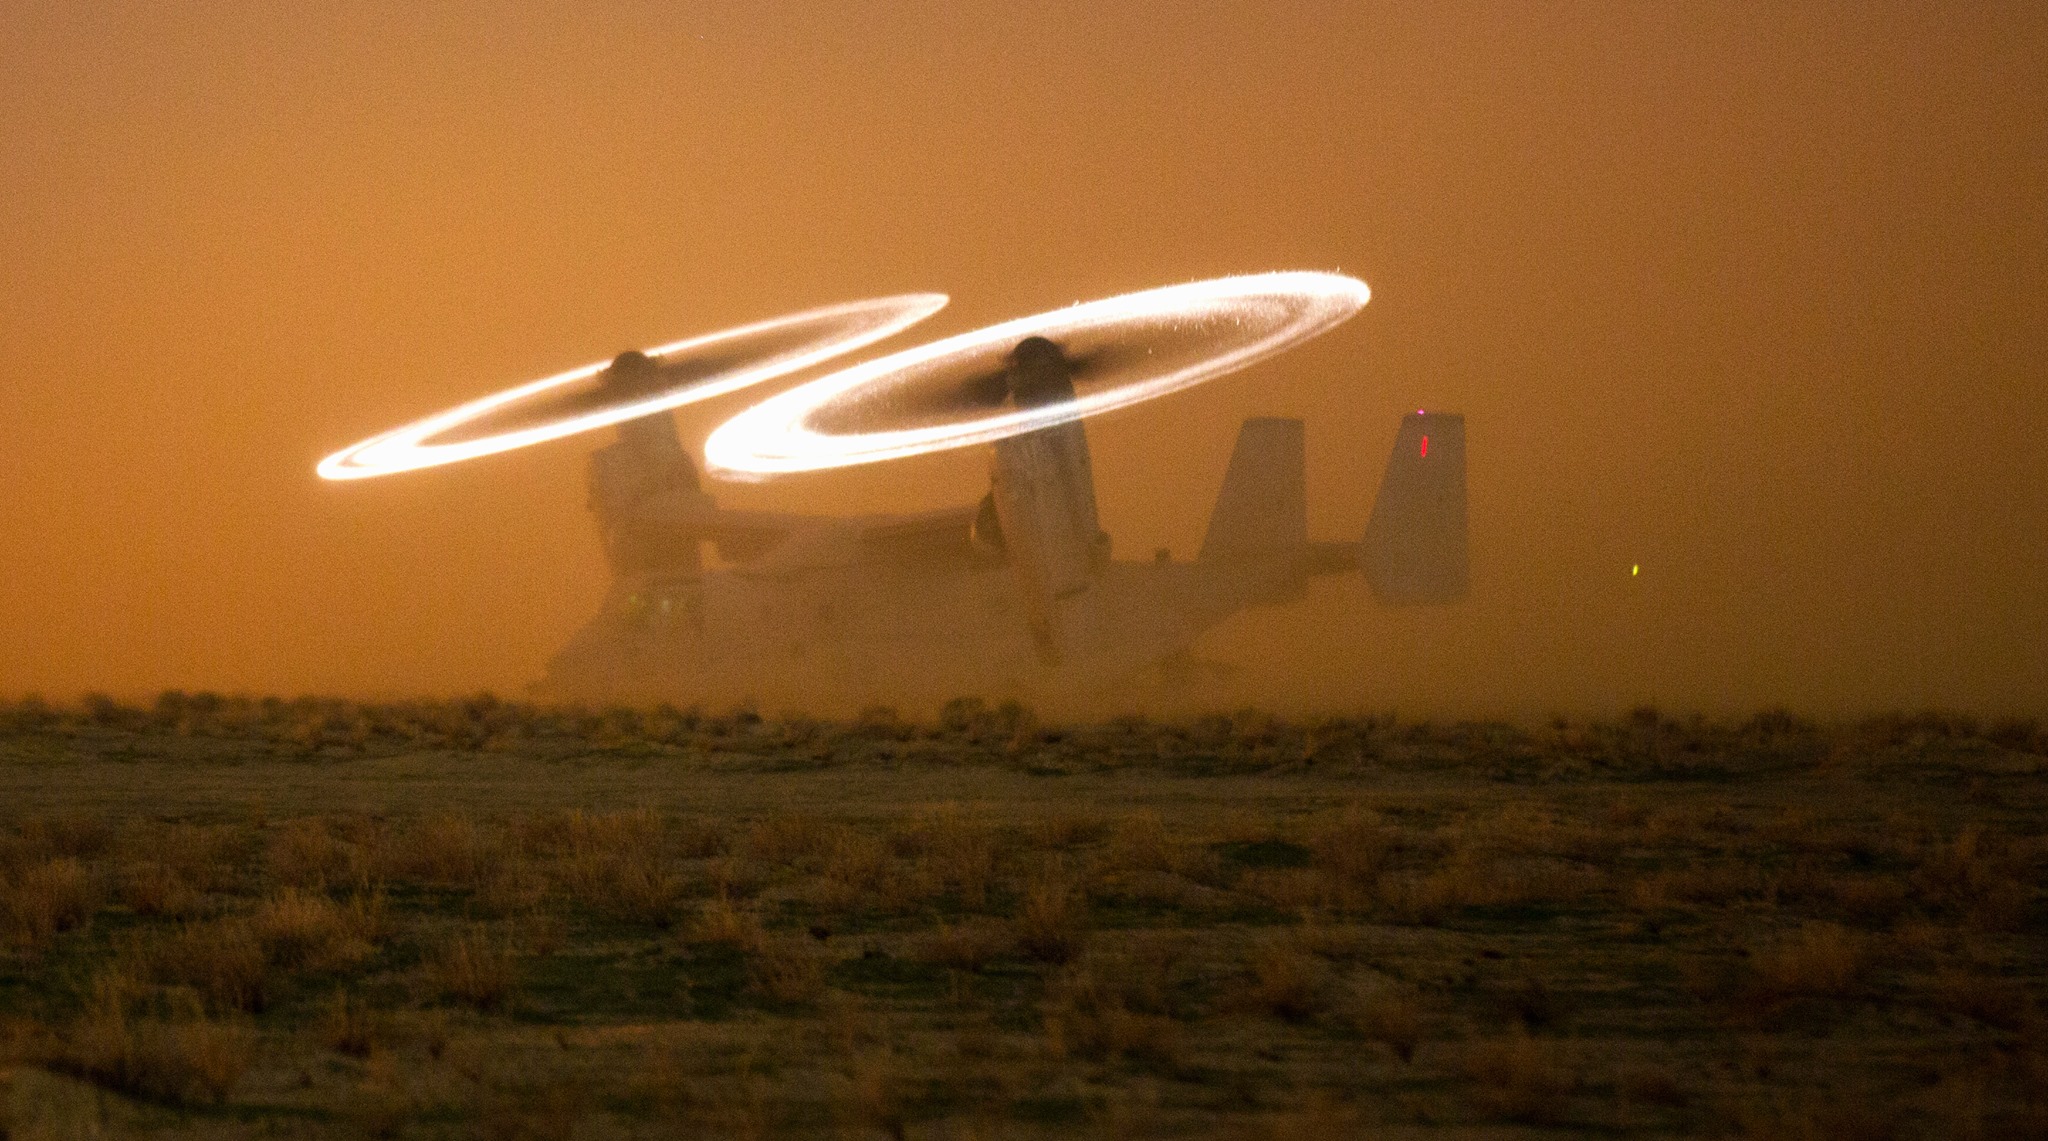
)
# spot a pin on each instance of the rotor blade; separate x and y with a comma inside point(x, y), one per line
point(606, 389)
point(691, 369)
point(1106, 358)
point(985, 390)
point(972, 395)
point(940, 401)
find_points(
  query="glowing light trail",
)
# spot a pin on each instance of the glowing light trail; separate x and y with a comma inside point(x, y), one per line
point(1236, 320)
point(738, 357)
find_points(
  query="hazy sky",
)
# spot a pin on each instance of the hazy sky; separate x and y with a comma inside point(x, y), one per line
point(1752, 294)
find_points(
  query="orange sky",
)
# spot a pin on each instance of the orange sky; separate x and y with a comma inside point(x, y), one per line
point(1753, 295)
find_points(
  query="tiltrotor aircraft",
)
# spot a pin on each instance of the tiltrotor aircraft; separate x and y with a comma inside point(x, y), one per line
point(1016, 595)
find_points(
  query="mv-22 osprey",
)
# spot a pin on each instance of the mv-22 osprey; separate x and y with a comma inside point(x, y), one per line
point(1017, 595)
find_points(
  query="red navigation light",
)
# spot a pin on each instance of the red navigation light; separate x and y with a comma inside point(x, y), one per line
point(1425, 445)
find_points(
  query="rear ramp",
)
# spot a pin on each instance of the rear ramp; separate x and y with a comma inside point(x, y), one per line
point(1415, 548)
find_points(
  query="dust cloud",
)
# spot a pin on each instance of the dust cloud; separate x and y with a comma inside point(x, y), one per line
point(1750, 297)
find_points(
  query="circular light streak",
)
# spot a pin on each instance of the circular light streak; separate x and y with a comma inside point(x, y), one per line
point(729, 359)
point(1208, 328)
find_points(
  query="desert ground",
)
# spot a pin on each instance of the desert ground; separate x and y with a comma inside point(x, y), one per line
point(228, 917)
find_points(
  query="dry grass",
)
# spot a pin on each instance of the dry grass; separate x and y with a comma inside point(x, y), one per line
point(223, 960)
point(302, 931)
point(349, 1025)
point(1093, 1010)
point(787, 971)
point(551, 1111)
point(976, 931)
point(858, 869)
point(1977, 878)
point(634, 833)
point(1420, 899)
point(476, 969)
point(155, 890)
point(789, 841)
point(614, 863)
point(1650, 1085)
point(1139, 843)
point(735, 877)
point(1050, 924)
point(632, 884)
point(1390, 1015)
point(1061, 831)
point(230, 961)
point(951, 851)
point(446, 851)
point(1286, 981)
point(1352, 845)
point(382, 1104)
point(307, 854)
point(513, 884)
point(1297, 889)
point(964, 946)
point(1519, 1079)
point(182, 1060)
point(869, 1097)
point(1824, 960)
point(697, 838)
point(74, 834)
point(1715, 886)
point(1994, 1001)
point(1871, 901)
point(1834, 1118)
point(44, 899)
point(720, 922)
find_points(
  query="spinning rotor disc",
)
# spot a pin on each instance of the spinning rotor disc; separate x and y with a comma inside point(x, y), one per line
point(632, 385)
point(1030, 373)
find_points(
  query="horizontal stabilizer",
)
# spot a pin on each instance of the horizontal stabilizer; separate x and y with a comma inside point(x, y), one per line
point(1263, 507)
point(1415, 543)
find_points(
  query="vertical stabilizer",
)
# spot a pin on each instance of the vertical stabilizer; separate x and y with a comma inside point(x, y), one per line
point(1415, 543)
point(1263, 507)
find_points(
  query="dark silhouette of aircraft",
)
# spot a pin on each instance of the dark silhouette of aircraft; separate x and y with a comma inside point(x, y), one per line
point(1017, 595)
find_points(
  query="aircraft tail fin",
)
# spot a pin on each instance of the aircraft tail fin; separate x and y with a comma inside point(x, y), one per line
point(1415, 544)
point(1263, 507)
